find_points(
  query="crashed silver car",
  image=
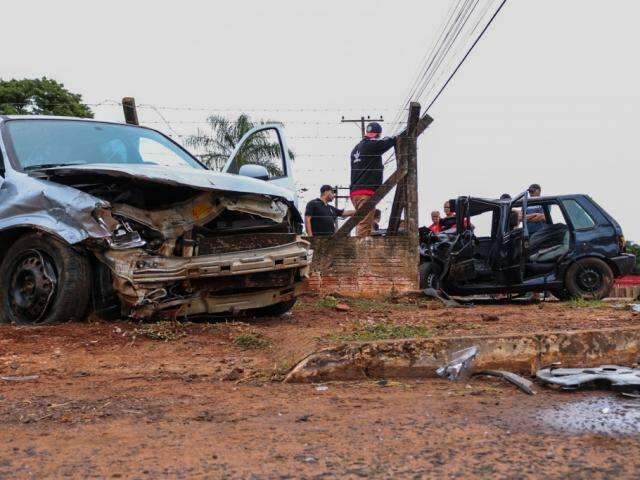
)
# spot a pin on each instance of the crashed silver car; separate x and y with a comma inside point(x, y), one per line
point(119, 219)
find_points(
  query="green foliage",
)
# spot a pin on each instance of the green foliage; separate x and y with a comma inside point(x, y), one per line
point(250, 341)
point(584, 303)
point(223, 136)
point(635, 249)
point(165, 331)
point(40, 97)
point(328, 302)
point(382, 331)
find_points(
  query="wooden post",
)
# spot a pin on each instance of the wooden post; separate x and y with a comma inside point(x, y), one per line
point(407, 157)
point(411, 180)
point(130, 111)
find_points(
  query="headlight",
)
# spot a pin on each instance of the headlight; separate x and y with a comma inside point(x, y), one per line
point(122, 235)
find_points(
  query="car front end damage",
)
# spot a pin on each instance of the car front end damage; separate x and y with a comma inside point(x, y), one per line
point(175, 246)
point(213, 253)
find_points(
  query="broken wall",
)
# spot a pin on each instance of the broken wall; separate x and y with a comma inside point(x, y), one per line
point(364, 267)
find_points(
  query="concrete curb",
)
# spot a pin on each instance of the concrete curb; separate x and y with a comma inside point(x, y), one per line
point(419, 357)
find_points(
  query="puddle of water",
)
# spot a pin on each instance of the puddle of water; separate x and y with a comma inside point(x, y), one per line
point(603, 415)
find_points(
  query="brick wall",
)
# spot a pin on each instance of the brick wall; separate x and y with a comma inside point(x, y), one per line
point(364, 267)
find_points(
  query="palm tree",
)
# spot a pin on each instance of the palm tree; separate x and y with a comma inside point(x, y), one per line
point(218, 143)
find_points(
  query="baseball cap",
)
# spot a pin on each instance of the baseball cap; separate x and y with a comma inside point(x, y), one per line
point(374, 128)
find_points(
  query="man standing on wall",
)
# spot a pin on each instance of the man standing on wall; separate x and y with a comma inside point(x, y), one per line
point(367, 171)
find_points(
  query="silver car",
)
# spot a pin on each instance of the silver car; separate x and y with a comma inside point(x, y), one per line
point(121, 220)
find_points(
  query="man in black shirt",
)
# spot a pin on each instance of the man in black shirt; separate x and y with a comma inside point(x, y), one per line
point(367, 171)
point(320, 217)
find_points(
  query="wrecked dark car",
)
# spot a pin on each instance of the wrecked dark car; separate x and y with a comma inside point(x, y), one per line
point(576, 252)
point(121, 220)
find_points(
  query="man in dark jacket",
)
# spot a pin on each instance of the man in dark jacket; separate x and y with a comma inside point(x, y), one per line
point(367, 171)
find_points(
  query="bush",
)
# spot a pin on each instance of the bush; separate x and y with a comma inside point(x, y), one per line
point(634, 248)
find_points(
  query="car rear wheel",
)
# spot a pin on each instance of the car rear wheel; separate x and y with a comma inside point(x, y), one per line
point(589, 278)
point(43, 281)
point(429, 276)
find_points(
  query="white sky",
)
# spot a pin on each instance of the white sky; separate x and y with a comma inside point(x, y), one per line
point(550, 95)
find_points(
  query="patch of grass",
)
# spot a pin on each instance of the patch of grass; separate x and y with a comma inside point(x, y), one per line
point(250, 341)
point(165, 331)
point(328, 302)
point(582, 303)
point(382, 331)
point(365, 304)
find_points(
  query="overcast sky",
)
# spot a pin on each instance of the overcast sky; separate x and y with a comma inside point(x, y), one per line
point(550, 95)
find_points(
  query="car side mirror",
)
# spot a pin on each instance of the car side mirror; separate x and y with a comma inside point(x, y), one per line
point(254, 171)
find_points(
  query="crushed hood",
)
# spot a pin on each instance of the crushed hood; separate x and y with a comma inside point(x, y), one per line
point(187, 177)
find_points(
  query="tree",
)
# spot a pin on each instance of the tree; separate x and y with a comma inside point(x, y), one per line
point(218, 144)
point(42, 96)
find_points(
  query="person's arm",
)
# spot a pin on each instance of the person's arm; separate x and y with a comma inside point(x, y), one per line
point(307, 225)
point(348, 213)
point(385, 144)
point(536, 217)
point(308, 214)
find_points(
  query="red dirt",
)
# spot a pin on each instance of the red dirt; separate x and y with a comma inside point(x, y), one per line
point(110, 403)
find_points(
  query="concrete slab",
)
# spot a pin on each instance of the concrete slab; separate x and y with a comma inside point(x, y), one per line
point(419, 358)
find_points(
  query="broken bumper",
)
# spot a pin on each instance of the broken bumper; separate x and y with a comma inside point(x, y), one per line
point(625, 263)
point(144, 282)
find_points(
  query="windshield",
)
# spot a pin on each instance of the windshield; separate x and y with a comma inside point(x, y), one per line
point(42, 143)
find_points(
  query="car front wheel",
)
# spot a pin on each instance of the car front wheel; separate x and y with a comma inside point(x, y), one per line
point(43, 281)
point(589, 279)
point(429, 276)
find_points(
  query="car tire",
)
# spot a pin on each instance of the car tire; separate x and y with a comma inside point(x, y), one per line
point(589, 279)
point(276, 309)
point(43, 281)
point(429, 276)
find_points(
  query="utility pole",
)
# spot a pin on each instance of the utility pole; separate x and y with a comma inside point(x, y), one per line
point(362, 120)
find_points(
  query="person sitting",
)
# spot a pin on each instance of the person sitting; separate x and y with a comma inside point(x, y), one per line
point(435, 226)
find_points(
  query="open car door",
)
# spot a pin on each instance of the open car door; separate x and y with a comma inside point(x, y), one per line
point(460, 264)
point(264, 146)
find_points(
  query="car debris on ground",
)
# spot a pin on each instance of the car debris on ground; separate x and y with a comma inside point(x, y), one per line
point(460, 365)
point(614, 377)
point(522, 383)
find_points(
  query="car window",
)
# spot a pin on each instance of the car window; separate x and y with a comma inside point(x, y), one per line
point(482, 224)
point(39, 143)
point(262, 148)
point(578, 215)
point(151, 151)
point(556, 215)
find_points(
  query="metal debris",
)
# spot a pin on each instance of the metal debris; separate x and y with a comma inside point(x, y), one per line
point(23, 378)
point(611, 376)
point(443, 297)
point(522, 383)
point(460, 365)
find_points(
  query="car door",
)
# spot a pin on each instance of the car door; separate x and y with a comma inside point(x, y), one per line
point(264, 145)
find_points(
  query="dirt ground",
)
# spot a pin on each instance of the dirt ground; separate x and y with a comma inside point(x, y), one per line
point(128, 400)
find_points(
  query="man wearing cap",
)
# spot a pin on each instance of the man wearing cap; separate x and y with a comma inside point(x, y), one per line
point(320, 217)
point(367, 172)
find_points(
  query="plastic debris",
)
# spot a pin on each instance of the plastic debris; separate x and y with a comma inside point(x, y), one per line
point(322, 388)
point(522, 383)
point(459, 366)
point(613, 376)
point(635, 307)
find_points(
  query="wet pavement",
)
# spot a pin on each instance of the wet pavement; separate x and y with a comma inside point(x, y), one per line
point(601, 413)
